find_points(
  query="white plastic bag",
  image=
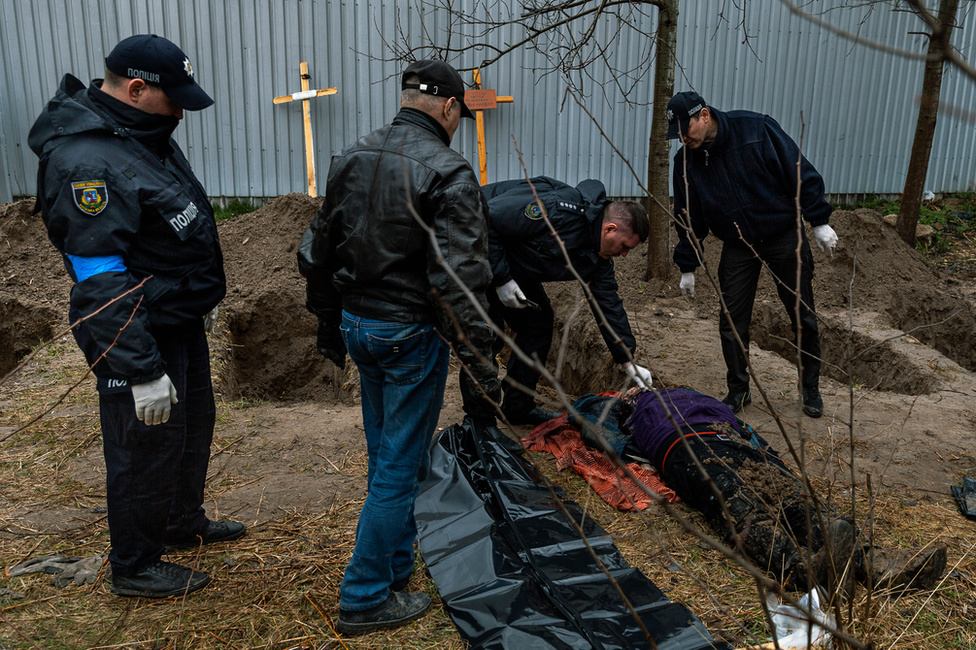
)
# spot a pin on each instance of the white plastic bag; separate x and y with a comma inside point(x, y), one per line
point(791, 627)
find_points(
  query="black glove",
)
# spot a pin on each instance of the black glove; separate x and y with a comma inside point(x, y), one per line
point(330, 345)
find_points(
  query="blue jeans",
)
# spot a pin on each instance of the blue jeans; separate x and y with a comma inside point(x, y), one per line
point(402, 370)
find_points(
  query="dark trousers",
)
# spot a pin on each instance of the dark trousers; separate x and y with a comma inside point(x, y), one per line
point(768, 510)
point(533, 334)
point(156, 474)
point(738, 274)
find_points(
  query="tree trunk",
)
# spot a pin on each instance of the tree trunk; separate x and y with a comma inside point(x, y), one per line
point(918, 164)
point(659, 210)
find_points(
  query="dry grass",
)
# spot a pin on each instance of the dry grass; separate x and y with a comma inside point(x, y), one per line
point(944, 617)
point(278, 587)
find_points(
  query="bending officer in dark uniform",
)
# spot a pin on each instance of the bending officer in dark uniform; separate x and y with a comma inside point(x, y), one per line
point(524, 254)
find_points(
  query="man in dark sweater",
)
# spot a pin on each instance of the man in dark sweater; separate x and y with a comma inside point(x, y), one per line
point(736, 177)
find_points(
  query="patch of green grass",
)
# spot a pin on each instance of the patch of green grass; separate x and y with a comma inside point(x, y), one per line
point(943, 215)
point(872, 203)
point(234, 209)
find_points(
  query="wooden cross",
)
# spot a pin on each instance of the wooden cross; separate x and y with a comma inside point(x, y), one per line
point(478, 101)
point(304, 97)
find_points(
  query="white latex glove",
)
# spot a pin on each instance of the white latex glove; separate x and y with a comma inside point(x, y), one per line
point(153, 400)
point(687, 285)
point(826, 238)
point(640, 375)
point(511, 295)
point(210, 320)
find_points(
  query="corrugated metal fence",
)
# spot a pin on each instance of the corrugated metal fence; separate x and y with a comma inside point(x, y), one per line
point(855, 106)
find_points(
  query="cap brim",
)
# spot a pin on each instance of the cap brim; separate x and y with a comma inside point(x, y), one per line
point(465, 111)
point(189, 97)
point(673, 129)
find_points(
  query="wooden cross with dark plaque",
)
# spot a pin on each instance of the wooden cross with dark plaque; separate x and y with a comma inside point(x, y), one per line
point(304, 96)
point(478, 101)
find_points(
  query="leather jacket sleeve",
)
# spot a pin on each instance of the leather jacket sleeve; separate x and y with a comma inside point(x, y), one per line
point(318, 262)
point(460, 229)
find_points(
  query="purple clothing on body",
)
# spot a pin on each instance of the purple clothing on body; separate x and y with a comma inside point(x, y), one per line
point(693, 411)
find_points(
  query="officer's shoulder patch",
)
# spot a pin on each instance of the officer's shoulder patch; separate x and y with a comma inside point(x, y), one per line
point(91, 197)
point(533, 211)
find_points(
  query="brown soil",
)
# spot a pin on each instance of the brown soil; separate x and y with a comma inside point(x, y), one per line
point(898, 399)
point(899, 327)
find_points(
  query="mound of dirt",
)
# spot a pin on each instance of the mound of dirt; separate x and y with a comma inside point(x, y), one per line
point(869, 294)
point(33, 284)
point(272, 334)
point(874, 281)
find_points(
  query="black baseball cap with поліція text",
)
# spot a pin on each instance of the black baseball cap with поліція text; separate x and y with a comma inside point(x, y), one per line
point(436, 78)
point(159, 62)
point(681, 109)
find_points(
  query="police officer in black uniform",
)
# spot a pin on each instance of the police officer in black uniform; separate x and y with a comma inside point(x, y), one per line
point(524, 254)
point(138, 237)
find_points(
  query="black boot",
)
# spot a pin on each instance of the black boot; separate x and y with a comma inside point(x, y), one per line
point(534, 416)
point(812, 402)
point(735, 400)
point(913, 568)
point(834, 564)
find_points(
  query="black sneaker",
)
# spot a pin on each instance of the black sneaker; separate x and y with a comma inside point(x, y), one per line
point(216, 531)
point(397, 610)
point(160, 580)
point(536, 416)
point(736, 400)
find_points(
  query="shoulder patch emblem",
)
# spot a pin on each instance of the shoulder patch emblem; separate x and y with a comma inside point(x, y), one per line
point(91, 197)
point(533, 211)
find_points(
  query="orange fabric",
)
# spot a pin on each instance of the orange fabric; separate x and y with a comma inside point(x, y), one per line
point(562, 440)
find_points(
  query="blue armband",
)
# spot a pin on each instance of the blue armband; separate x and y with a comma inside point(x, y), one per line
point(85, 267)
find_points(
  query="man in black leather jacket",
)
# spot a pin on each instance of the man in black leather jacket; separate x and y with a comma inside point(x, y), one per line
point(397, 256)
point(134, 225)
point(524, 254)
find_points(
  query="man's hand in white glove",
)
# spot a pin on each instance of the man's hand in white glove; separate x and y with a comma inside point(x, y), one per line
point(687, 285)
point(826, 238)
point(640, 375)
point(511, 295)
point(153, 400)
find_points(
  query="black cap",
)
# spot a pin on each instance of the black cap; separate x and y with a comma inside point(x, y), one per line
point(681, 109)
point(436, 78)
point(159, 62)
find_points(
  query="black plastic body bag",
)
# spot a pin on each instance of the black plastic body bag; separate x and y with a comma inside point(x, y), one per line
point(514, 573)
